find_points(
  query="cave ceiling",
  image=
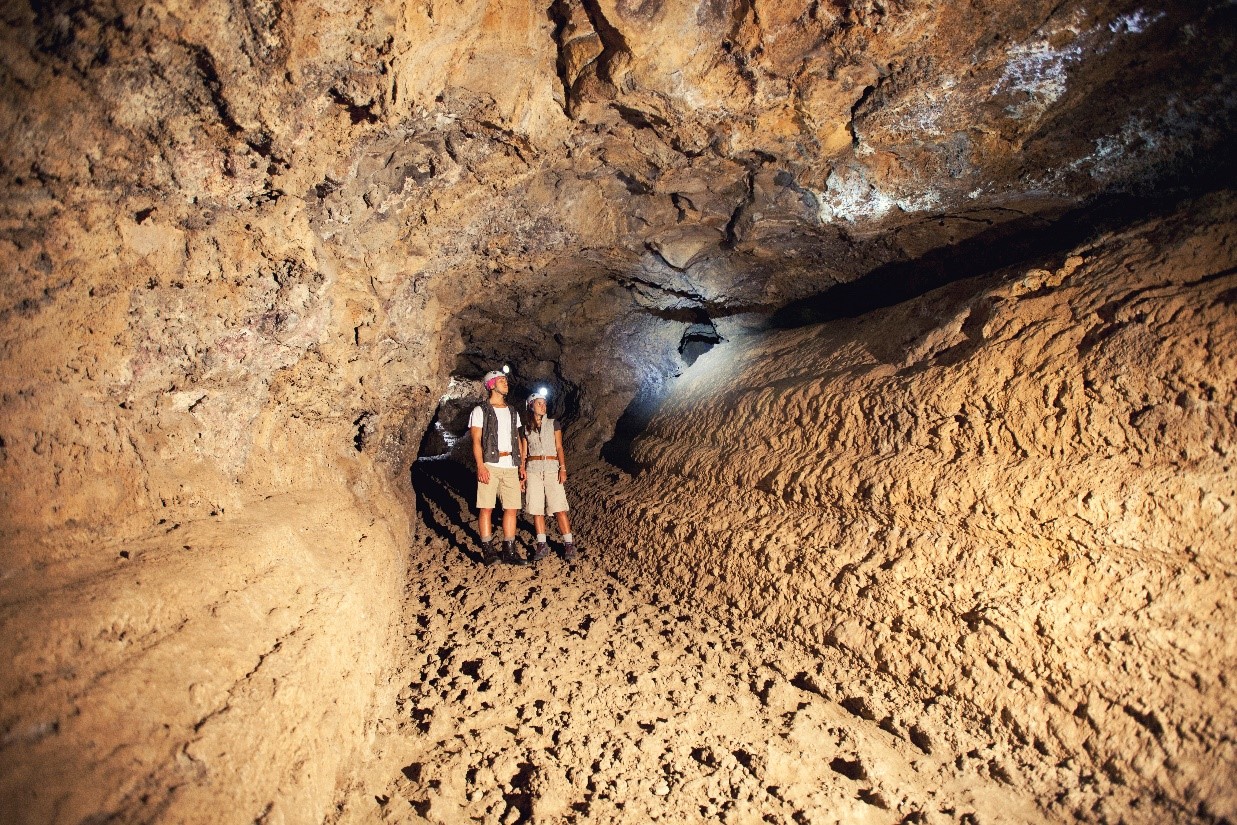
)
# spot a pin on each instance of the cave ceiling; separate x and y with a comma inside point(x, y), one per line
point(574, 184)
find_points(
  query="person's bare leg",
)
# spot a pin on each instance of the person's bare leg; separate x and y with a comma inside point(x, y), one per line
point(564, 523)
point(539, 523)
point(509, 517)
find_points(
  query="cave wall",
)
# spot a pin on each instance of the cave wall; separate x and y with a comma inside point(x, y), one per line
point(245, 245)
point(1015, 493)
point(206, 423)
point(233, 661)
point(246, 200)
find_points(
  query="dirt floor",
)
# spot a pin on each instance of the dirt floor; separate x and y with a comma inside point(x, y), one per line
point(554, 693)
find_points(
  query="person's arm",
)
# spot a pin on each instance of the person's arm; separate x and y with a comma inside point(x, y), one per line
point(483, 472)
point(522, 446)
point(562, 456)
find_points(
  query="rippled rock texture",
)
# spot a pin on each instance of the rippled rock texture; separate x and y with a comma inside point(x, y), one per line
point(249, 247)
point(1017, 491)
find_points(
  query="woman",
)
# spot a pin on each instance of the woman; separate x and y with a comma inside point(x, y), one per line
point(545, 469)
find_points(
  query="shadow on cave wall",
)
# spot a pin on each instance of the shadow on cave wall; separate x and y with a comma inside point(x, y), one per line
point(444, 480)
point(1032, 241)
point(1026, 242)
point(699, 337)
point(445, 489)
point(633, 421)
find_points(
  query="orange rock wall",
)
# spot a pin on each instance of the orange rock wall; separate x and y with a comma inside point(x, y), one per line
point(244, 246)
point(1016, 493)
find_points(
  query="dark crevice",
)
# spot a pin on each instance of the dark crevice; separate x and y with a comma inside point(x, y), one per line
point(204, 61)
point(612, 40)
point(642, 120)
point(850, 768)
point(358, 113)
point(328, 185)
point(1147, 720)
point(731, 235)
point(854, 113)
point(683, 205)
point(560, 16)
point(633, 185)
point(364, 424)
point(520, 798)
point(697, 340)
point(262, 144)
point(631, 424)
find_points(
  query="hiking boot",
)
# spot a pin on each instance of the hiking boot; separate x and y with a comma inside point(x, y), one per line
point(540, 551)
point(489, 553)
point(509, 554)
point(570, 553)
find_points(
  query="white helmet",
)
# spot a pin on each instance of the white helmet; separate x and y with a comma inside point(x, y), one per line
point(492, 376)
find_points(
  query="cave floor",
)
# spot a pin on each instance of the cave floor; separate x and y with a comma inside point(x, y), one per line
point(555, 693)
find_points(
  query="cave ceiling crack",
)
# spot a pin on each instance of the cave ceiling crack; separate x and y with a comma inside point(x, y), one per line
point(864, 96)
point(753, 164)
point(613, 43)
point(227, 705)
point(561, 16)
point(710, 307)
point(208, 73)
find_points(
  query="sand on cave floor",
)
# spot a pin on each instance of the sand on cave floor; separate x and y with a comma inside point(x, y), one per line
point(554, 693)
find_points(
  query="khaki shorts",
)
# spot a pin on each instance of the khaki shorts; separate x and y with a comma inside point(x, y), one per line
point(504, 484)
point(545, 493)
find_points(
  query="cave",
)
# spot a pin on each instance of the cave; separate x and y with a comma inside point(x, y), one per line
point(895, 351)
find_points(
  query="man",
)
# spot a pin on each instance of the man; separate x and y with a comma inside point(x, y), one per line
point(497, 450)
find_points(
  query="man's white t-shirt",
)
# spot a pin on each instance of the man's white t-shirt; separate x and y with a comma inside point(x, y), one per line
point(477, 419)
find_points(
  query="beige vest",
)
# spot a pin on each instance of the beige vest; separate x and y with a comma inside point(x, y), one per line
point(541, 442)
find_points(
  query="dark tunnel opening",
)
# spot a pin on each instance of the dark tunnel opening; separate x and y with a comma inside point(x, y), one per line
point(1031, 240)
point(697, 340)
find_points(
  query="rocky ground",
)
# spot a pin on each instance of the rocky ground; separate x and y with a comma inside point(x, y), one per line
point(556, 693)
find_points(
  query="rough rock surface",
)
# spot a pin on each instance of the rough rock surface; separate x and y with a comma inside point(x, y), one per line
point(250, 248)
point(1017, 492)
point(557, 693)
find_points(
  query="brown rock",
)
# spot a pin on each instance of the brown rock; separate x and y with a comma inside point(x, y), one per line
point(255, 252)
